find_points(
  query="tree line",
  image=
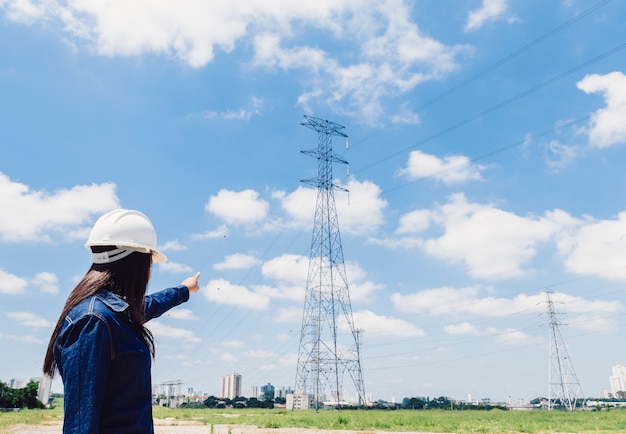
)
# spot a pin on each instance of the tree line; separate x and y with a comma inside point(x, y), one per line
point(25, 397)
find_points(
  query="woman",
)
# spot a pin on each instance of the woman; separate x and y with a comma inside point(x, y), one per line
point(100, 345)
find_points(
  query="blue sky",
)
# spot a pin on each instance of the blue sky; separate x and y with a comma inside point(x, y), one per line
point(486, 149)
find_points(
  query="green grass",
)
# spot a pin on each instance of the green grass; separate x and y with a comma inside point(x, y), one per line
point(30, 417)
point(494, 421)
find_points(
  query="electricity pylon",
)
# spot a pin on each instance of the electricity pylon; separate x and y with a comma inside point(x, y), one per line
point(564, 385)
point(329, 341)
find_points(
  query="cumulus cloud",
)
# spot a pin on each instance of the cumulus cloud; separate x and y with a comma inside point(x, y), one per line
point(290, 272)
point(414, 222)
point(47, 282)
point(219, 232)
point(181, 313)
point(506, 336)
point(596, 247)
point(26, 339)
point(490, 10)
point(175, 268)
point(378, 325)
point(237, 261)
point(29, 319)
point(288, 315)
point(389, 53)
point(253, 109)
point(223, 291)
point(161, 330)
point(287, 268)
point(172, 245)
point(479, 236)
point(480, 302)
point(607, 127)
point(559, 155)
point(449, 170)
point(29, 215)
point(238, 207)
point(12, 284)
point(360, 212)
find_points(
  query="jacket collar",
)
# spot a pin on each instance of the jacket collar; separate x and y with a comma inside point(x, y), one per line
point(113, 301)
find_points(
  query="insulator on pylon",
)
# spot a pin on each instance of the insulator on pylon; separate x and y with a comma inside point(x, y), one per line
point(347, 146)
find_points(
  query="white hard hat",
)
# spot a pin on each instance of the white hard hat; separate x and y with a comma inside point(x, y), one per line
point(128, 230)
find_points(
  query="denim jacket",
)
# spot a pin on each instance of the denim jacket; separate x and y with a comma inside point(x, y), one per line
point(105, 366)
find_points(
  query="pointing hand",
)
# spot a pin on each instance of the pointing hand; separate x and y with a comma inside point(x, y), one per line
point(192, 283)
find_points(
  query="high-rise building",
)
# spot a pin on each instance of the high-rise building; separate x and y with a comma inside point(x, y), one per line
point(253, 392)
point(267, 391)
point(618, 381)
point(231, 386)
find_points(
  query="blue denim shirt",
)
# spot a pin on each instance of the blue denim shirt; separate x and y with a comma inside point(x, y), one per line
point(105, 366)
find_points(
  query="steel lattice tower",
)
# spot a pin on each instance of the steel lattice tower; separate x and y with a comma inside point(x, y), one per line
point(329, 341)
point(564, 385)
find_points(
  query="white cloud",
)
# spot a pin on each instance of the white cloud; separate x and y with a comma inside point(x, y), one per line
point(449, 170)
point(378, 325)
point(389, 53)
point(253, 109)
point(28, 215)
point(360, 212)
point(172, 245)
point(480, 237)
point(596, 247)
point(360, 288)
point(560, 155)
point(161, 330)
point(490, 10)
point(288, 315)
point(223, 291)
point(219, 232)
point(29, 319)
point(175, 268)
point(238, 207)
point(288, 269)
point(12, 284)
point(449, 301)
point(260, 354)
point(607, 126)
point(26, 339)
point(47, 282)
point(233, 344)
point(464, 328)
point(506, 336)
point(291, 271)
point(414, 222)
point(181, 313)
point(237, 261)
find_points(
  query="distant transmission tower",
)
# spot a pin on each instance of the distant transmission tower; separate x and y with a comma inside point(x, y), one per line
point(564, 385)
point(329, 342)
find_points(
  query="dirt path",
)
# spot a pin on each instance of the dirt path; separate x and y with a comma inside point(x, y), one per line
point(172, 426)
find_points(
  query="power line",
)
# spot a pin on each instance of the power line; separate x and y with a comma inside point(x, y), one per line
point(512, 55)
point(496, 107)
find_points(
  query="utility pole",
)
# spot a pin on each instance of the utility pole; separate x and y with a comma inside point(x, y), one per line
point(329, 342)
point(563, 383)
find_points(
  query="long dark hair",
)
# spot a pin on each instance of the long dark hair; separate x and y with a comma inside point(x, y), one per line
point(128, 278)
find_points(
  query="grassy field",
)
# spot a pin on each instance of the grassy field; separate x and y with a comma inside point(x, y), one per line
point(494, 421)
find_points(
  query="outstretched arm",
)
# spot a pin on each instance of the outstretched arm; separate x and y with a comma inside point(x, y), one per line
point(160, 302)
